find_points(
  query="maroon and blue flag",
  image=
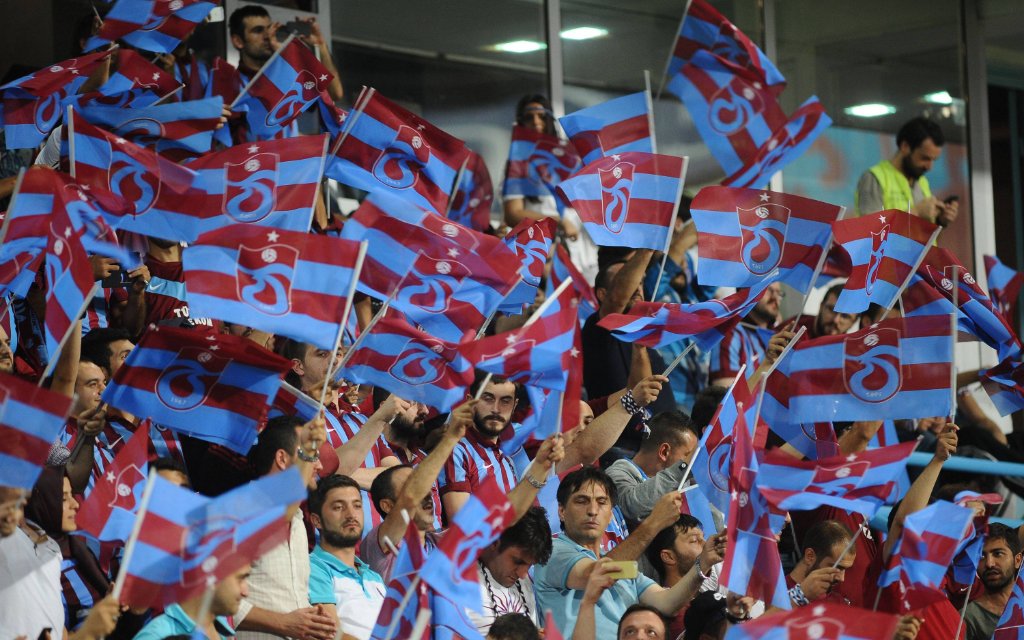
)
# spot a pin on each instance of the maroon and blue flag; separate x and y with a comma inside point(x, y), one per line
point(618, 125)
point(136, 82)
point(1004, 384)
point(744, 234)
point(926, 548)
point(385, 148)
point(628, 199)
point(1011, 623)
point(151, 25)
point(563, 268)
point(108, 511)
point(283, 282)
point(176, 130)
point(216, 388)
point(537, 164)
point(860, 482)
point(884, 248)
point(1004, 285)
point(711, 462)
point(394, 620)
point(471, 203)
point(531, 241)
point(819, 620)
point(30, 420)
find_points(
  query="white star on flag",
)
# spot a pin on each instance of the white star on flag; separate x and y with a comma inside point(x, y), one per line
point(616, 157)
point(74, 72)
point(156, 76)
point(453, 253)
point(253, 149)
point(574, 352)
point(881, 218)
point(273, 236)
point(67, 232)
point(323, 77)
point(851, 457)
point(764, 197)
point(511, 339)
point(110, 476)
point(214, 347)
point(120, 140)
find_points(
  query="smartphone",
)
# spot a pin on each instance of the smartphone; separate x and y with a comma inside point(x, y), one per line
point(622, 569)
point(117, 280)
point(952, 199)
point(297, 28)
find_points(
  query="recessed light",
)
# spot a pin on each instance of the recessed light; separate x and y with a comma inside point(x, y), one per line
point(519, 46)
point(870, 110)
point(584, 33)
point(939, 97)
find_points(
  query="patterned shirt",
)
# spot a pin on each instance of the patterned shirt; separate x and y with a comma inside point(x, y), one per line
point(472, 461)
point(341, 427)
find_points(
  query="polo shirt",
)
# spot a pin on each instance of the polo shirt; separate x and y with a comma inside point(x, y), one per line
point(472, 461)
point(357, 593)
point(564, 603)
point(174, 622)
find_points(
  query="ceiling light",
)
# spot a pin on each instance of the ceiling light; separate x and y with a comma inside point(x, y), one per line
point(939, 97)
point(584, 33)
point(870, 110)
point(519, 46)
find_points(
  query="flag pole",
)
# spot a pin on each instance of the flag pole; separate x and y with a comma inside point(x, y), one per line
point(53, 357)
point(675, 363)
point(259, 73)
point(129, 547)
point(913, 270)
point(70, 123)
point(320, 193)
point(846, 549)
point(360, 257)
point(650, 110)
point(689, 467)
point(668, 62)
point(953, 317)
point(967, 600)
point(548, 302)
point(821, 263)
point(422, 619)
point(672, 224)
point(350, 122)
point(401, 607)
point(455, 187)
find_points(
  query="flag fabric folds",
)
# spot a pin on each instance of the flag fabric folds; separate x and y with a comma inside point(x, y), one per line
point(711, 462)
point(1011, 623)
point(819, 620)
point(471, 202)
point(451, 277)
point(927, 545)
point(186, 538)
point(531, 241)
point(696, 504)
point(108, 511)
point(627, 199)
point(285, 86)
point(537, 164)
point(1004, 285)
point(860, 482)
point(616, 126)
point(403, 578)
point(411, 364)
point(883, 248)
point(283, 282)
point(562, 267)
point(176, 130)
point(744, 234)
point(384, 147)
point(30, 420)
point(213, 387)
point(899, 368)
point(1004, 384)
point(151, 25)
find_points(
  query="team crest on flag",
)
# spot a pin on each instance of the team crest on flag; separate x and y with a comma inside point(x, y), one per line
point(59, 263)
point(550, 163)
point(124, 487)
point(814, 629)
point(145, 132)
point(841, 480)
point(416, 364)
point(264, 277)
point(733, 106)
point(879, 241)
point(210, 540)
point(871, 365)
point(187, 383)
point(718, 463)
point(250, 187)
point(46, 113)
point(616, 185)
point(128, 179)
point(296, 100)
point(392, 166)
point(432, 283)
point(763, 236)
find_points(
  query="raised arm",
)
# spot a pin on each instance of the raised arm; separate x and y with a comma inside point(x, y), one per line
point(523, 495)
point(625, 283)
point(352, 454)
point(671, 600)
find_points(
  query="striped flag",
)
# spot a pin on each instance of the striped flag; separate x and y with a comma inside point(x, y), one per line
point(1004, 285)
point(151, 25)
point(618, 125)
point(30, 420)
point(537, 164)
point(531, 241)
point(562, 268)
point(108, 511)
point(176, 130)
point(925, 549)
point(1004, 384)
point(471, 202)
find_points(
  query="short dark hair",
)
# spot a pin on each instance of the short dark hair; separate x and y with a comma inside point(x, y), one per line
point(513, 626)
point(666, 539)
point(96, 344)
point(318, 496)
point(824, 536)
point(668, 426)
point(167, 463)
point(999, 531)
point(279, 434)
point(834, 290)
point(532, 533)
point(290, 348)
point(575, 480)
point(480, 376)
point(706, 612)
point(639, 608)
point(236, 23)
point(919, 129)
point(705, 405)
point(383, 488)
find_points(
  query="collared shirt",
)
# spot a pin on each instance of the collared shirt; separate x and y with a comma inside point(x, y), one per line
point(472, 461)
point(279, 580)
point(380, 559)
point(357, 593)
point(175, 621)
point(30, 593)
point(549, 581)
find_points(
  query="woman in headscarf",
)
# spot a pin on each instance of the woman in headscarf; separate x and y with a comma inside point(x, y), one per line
point(53, 508)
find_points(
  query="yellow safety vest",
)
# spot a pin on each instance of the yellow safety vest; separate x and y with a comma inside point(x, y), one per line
point(896, 192)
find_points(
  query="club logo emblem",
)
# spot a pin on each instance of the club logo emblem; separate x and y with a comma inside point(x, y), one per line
point(47, 113)
point(145, 132)
point(533, 254)
point(763, 236)
point(616, 185)
point(816, 629)
point(431, 283)
point(718, 464)
point(305, 90)
point(550, 162)
point(250, 188)
point(733, 107)
point(399, 164)
point(418, 363)
point(128, 480)
point(879, 243)
point(187, 382)
point(264, 277)
point(132, 181)
point(871, 365)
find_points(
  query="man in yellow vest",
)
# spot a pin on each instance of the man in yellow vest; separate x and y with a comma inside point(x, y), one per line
point(899, 182)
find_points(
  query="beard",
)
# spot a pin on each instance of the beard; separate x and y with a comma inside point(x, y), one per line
point(486, 430)
point(339, 539)
point(910, 169)
point(406, 430)
point(995, 583)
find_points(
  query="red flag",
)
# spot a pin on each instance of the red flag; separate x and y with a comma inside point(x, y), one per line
point(108, 512)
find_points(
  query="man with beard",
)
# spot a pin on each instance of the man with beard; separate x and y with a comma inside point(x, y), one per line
point(747, 342)
point(899, 181)
point(828, 322)
point(1000, 562)
point(340, 584)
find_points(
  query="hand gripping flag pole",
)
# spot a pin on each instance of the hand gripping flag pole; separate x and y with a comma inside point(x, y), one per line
point(345, 314)
point(133, 539)
point(775, 365)
point(672, 222)
point(689, 467)
point(913, 270)
point(266, 65)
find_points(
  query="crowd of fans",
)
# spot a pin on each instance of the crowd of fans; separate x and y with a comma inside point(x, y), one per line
point(611, 556)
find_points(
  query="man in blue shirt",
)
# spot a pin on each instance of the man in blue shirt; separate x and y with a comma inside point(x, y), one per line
point(180, 618)
point(585, 501)
point(344, 585)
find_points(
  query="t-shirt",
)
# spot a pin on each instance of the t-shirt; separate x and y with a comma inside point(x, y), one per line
point(499, 600)
point(356, 593)
point(30, 594)
point(175, 622)
point(381, 560)
point(860, 583)
point(166, 297)
point(980, 622)
point(564, 603)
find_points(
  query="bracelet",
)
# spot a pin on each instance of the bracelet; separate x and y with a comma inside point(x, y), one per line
point(633, 407)
point(305, 457)
point(700, 572)
point(796, 594)
point(534, 483)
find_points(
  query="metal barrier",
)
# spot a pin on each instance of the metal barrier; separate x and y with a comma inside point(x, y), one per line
point(974, 465)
